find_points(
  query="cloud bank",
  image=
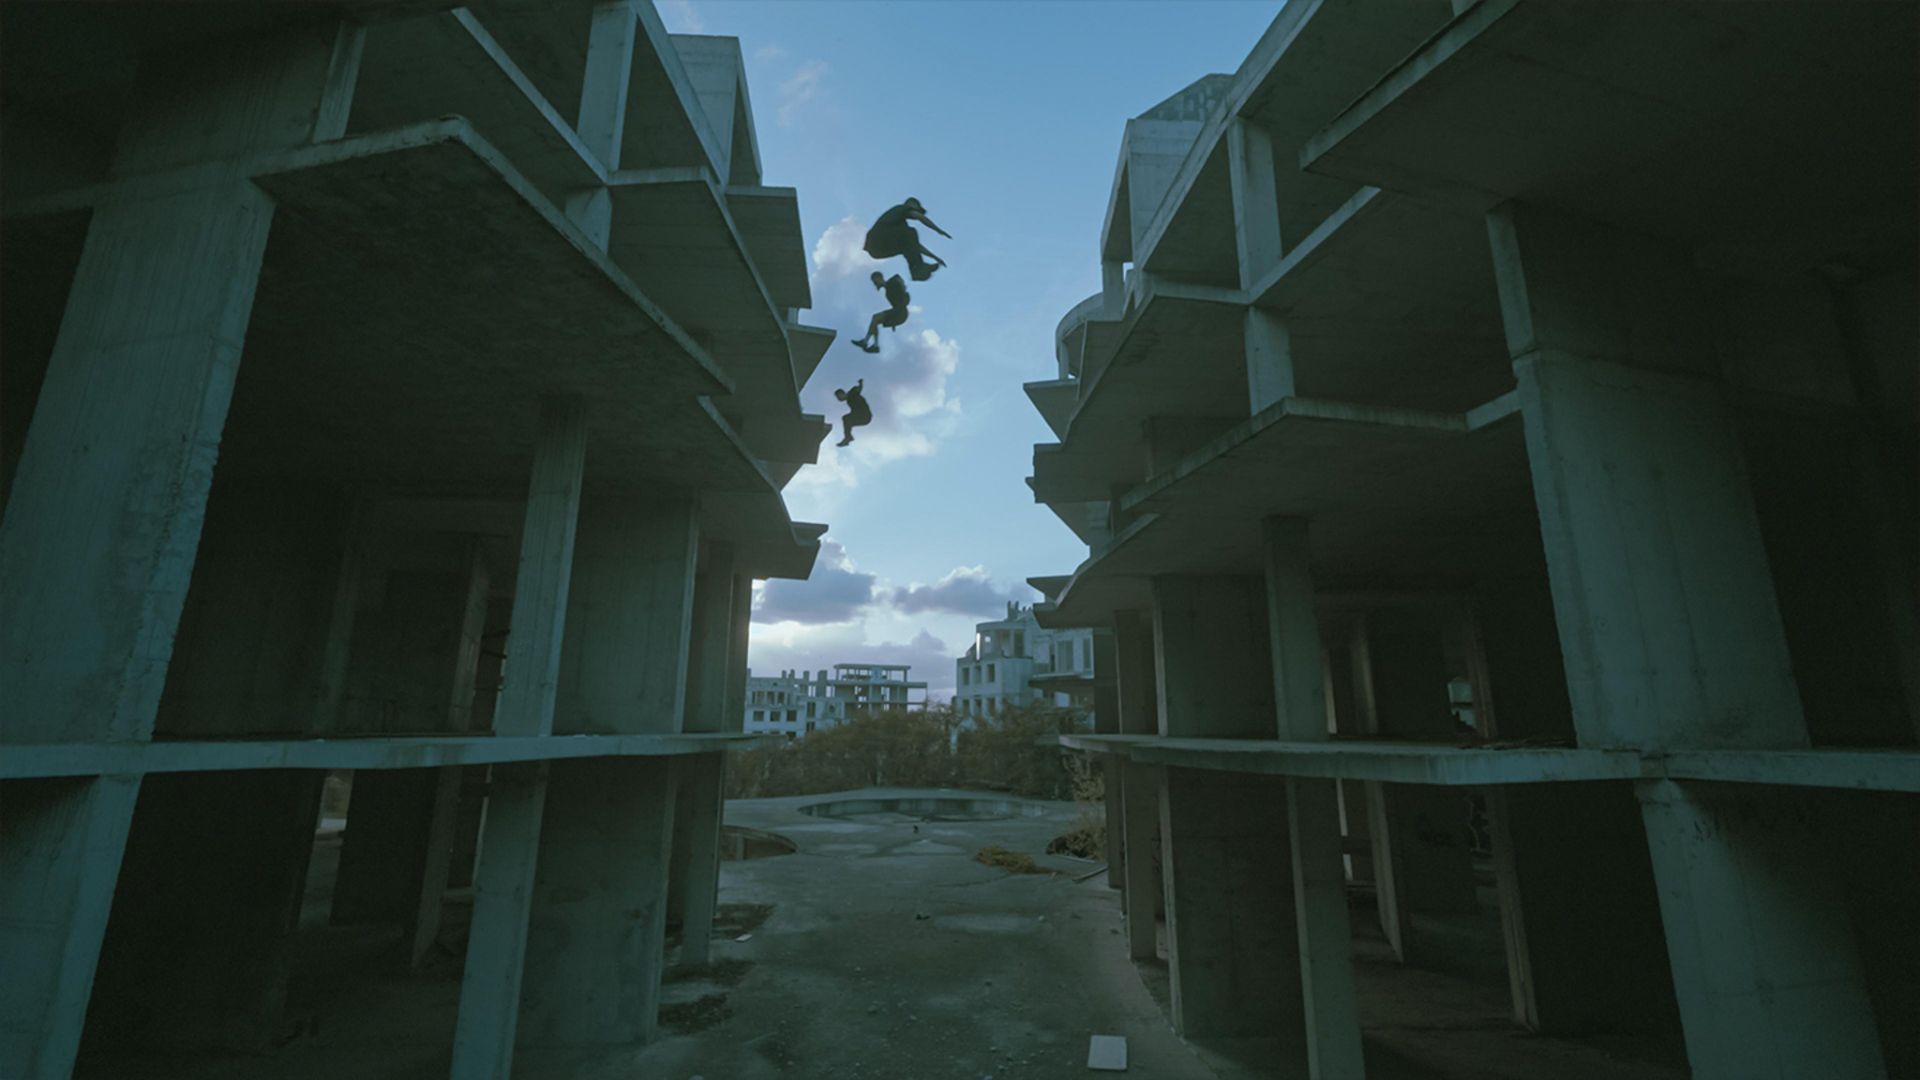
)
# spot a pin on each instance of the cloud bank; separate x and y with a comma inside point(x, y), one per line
point(836, 593)
point(965, 590)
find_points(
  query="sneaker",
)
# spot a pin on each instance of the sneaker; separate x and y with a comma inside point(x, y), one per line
point(845, 441)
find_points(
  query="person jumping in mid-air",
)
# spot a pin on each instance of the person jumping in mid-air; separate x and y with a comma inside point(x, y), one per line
point(858, 415)
point(893, 235)
point(891, 318)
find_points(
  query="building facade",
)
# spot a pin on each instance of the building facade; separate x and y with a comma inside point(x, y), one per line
point(391, 388)
point(1505, 411)
point(797, 703)
point(1015, 661)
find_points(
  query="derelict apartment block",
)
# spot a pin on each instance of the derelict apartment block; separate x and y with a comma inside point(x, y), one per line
point(392, 388)
point(1495, 443)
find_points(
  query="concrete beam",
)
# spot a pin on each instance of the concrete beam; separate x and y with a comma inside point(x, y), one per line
point(23, 761)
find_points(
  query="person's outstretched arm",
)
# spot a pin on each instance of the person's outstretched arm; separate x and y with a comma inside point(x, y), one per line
point(928, 222)
point(861, 384)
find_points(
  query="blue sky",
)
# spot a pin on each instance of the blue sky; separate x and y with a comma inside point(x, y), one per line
point(1005, 120)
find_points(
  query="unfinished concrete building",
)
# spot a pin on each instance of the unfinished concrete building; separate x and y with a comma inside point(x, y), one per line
point(1564, 355)
point(395, 388)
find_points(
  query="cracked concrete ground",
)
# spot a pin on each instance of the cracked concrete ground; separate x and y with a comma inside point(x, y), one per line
point(889, 952)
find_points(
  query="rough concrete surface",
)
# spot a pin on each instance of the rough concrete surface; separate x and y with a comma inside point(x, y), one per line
point(886, 951)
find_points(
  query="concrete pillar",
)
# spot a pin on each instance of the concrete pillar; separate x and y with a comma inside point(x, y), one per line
point(199, 952)
point(1143, 897)
point(1654, 555)
point(105, 505)
point(1269, 359)
point(700, 778)
point(510, 832)
point(602, 119)
point(1319, 878)
point(1765, 965)
point(1256, 199)
point(1232, 950)
point(416, 651)
point(1429, 860)
point(599, 898)
point(1113, 290)
point(1672, 636)
point(416, 668)
point(60, 853)
point(1106, 721)
point(1565, 979)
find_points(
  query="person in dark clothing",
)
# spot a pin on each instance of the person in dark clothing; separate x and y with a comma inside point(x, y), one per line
point(858, 415)
point(893, 234)
point(896, 313)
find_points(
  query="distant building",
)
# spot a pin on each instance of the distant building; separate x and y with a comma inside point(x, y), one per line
point(793, 704)
point(1015, 661)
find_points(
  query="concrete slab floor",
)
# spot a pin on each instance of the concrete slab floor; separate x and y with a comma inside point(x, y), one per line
point(880, 949)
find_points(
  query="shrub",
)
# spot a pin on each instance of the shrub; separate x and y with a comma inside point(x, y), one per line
point(1009, 753)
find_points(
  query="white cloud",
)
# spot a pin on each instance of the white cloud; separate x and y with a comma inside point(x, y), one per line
point(681, 18)
point(965, 590)
point(836, 592)
point(800, 89)
point(768, 52)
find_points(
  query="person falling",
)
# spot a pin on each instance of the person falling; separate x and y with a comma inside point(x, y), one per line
point(893, 235)
point(858, 415)
point(891, 318)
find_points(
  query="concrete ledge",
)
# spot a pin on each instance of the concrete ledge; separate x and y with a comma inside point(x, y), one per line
point(27, 761)
point(1855, 770)
point(1396, 763)
point(1466, 766)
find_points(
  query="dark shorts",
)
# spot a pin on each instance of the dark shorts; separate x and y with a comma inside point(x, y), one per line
point(893, 316)
point(886, 243)
point(857, 417)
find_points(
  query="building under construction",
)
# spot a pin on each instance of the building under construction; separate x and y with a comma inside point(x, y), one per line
point(394, 388)
point(1495, 443)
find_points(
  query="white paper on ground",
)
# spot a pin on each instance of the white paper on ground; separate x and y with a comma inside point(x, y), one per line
point(1107, 1053)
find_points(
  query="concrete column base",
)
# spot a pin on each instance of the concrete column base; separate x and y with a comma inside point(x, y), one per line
point(699, 780)
point(60, 853)
point(1765, 965)
point(1325, 933)
point(599, 902)
point(1232, 949)
point(483, 1038)
point(1140, 810)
